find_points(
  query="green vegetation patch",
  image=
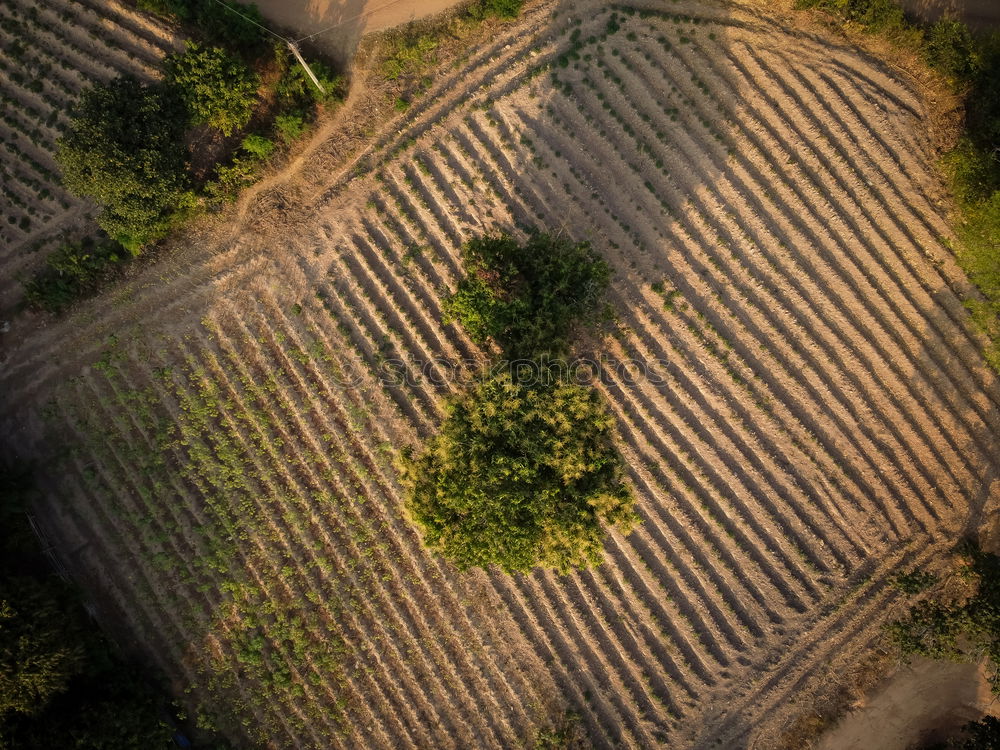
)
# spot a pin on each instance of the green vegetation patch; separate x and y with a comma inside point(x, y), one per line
point(130, 146)
point(527, 297)
point(73, 271)
point(520, 475)
point(218, 89)
point(124, 150)
point(960, 627)
point(61, 684)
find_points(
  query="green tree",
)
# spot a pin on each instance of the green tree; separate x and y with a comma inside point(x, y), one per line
point(520, 475)
point(124, 149)
point(38, 654)
point(60, 684)
point(949, 47)
point(527, 297)
point(217, 89)
point(109, 707)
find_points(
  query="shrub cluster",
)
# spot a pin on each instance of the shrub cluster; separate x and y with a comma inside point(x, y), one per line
point(520, 475)
point(964, 629)
point(127, 146)
point(73, 271)
point(482, 9)
point(523, 472)
point(217, 89)
point(527, 297)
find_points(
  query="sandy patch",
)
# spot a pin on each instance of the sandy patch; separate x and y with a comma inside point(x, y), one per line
point(921, 702)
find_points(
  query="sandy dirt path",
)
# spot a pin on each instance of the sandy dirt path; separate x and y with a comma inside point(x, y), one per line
point(919, 703)
point(342, 23)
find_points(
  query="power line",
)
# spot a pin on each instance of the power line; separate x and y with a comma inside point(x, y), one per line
point(275, 34)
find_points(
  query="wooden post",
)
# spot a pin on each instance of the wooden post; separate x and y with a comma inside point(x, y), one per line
point(298, 56)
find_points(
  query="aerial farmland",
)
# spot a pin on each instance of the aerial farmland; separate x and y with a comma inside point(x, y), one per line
point(799, 400)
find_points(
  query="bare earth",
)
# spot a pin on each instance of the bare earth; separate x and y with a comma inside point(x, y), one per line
point(219, 432)
point(918, 704)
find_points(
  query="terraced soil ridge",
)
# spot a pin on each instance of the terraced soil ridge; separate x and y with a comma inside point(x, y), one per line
point(820, 417)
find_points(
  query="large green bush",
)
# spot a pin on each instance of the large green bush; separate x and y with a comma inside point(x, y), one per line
point(520, 475)
point(124, 150)
point(217, 89)
point(524, 471)
point(527, 296)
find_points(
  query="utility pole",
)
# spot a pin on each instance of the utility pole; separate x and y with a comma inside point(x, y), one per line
point(298, 56)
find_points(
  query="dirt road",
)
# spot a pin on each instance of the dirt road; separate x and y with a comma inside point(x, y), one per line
point(976, 13)
point(342, 23)
point(922, 702)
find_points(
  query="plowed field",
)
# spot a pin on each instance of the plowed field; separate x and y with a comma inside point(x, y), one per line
point(820, 417)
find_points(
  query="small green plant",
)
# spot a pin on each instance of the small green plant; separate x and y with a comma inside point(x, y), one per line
point(289, 127)
point(258, 147)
